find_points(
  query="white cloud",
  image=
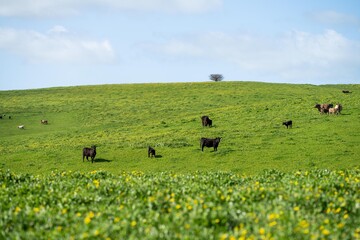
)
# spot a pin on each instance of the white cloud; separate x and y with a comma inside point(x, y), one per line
point(295, 55)
point(41, 8)
point(55, 46)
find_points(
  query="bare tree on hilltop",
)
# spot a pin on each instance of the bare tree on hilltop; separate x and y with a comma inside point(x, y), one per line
point(216, 77)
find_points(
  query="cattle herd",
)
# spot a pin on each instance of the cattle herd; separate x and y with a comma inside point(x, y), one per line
point(327, 108)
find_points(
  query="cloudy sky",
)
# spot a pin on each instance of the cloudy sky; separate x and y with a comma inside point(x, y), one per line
point(48, 43)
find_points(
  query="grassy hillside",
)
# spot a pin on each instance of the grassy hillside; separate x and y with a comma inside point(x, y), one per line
point(122, 120)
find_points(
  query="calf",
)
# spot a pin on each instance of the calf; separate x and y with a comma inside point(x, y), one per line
point(89, 152)
point(288, 124)
point(209, 142)
point(151, 152)
point(44, 121)
point(206, 121)
point(21, 127)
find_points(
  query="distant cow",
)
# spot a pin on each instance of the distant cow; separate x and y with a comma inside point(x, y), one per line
point(323, 108)
point(44, 121)
point(89, 152)
point(151, 152)
point(346, 91)
point(206, 121)
point(333, 111)
point(209, 142)
point(288, 124)
point(338, 107)
point(21, 127)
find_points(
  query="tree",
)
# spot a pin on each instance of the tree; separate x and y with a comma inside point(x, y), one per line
point(216, 77)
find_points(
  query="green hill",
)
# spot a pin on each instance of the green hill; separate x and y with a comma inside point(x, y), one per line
point(122, 120)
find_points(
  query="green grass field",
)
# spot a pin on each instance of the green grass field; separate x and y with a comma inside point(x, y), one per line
point(318, 204)
point(122, 120)
point(264, 182)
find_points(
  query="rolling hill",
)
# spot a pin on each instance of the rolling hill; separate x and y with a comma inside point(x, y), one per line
point(123, 120)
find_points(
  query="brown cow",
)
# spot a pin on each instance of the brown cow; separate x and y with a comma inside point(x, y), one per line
point(323, 108)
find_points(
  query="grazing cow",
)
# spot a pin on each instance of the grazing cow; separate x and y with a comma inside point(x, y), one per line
point(44, 121)
point(206, 121)
point(339, 107)
point(0, 117)
point(151, 152)
point(346, 91)
point(323, 108)
point(209, 142)
point(288, 124)
point(21, 127)
point(333, 110)
point(89, 152)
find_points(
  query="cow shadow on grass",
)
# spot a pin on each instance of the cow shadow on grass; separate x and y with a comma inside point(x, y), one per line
point(158, 156)
point(102, 160)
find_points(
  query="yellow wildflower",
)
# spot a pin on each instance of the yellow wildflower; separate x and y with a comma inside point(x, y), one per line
point(17, 210)
point(96, 183)
point(340, 225)
point(273, 223)
point(223, 236)
point(325, 231)
point(87, 220)
point(36, 210)
point(91, 214)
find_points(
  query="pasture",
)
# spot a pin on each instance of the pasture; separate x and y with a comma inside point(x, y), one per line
point(123, 120)
point(265, 181)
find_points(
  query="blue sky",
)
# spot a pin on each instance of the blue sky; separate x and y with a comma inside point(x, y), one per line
point(47, 43)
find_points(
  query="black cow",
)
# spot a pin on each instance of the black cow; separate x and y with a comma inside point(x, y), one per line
point(89, 152)
point(288, 124)
point(209, 142)
point(206, 121)
point(151, 152)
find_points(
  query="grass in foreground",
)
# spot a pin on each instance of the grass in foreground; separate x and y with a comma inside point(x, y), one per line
point(318, 204)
